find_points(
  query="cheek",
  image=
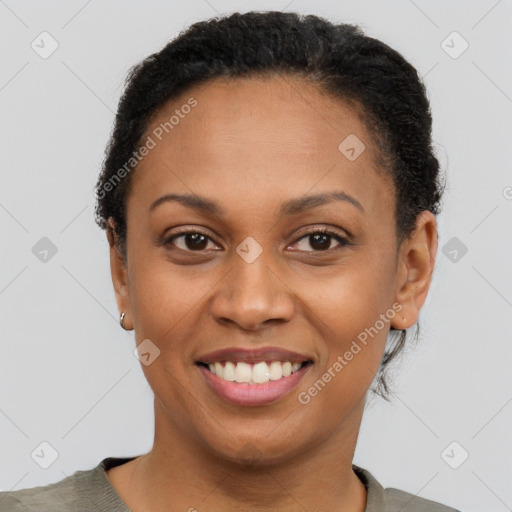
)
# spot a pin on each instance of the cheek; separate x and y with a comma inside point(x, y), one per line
point(351, 296)
point(164, 301)
point(352, 311)
point(354, 349)
point(163, 297)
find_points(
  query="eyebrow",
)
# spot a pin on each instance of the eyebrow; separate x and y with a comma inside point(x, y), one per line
point(288, 208)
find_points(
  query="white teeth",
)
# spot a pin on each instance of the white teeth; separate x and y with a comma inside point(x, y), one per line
point(287, 369)
point(275, 370)
point(242, 372)
point(258, 373)
point(229, 371)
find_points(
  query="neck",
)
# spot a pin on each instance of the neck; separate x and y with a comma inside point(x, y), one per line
point(181, 474)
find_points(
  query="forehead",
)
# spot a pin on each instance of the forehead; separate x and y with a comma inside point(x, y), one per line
point(259, 137)
point(236, 111)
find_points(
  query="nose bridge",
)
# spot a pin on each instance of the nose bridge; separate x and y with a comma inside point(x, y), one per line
point(252, 276)
point(252, 294)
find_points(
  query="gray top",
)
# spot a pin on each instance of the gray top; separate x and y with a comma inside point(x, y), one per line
point(91, 490)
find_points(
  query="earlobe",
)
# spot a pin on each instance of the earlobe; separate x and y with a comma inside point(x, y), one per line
point(416, 265)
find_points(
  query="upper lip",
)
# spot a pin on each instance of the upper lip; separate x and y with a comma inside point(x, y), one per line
point(252, 356)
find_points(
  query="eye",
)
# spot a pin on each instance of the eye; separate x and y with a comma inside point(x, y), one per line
point(320, 239)
point(191, 240)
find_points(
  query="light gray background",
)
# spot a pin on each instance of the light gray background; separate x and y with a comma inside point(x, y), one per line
point(68, 373)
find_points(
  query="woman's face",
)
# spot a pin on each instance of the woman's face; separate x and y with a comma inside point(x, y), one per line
point(258, 161)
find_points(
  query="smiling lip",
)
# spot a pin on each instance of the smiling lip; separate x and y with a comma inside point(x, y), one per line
point(251, 356)
point(251, 394)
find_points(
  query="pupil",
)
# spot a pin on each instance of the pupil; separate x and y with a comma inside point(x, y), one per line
point(197, 239)
point(321, 245)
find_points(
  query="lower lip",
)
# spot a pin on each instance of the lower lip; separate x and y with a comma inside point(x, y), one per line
point(253, 394)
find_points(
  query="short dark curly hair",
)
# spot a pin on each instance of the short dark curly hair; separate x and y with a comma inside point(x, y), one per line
point(339, 58)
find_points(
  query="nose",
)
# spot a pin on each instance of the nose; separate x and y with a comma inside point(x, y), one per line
point(252, 296)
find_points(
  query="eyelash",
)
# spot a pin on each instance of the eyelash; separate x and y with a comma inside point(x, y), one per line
point(343, 241)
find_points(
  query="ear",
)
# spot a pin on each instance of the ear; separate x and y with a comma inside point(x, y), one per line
point(414, 272)
point(119, 274)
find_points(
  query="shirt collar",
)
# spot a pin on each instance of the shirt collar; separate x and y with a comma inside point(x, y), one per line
point(374, 499)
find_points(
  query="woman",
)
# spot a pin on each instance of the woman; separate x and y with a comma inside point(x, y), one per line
point(270, 195)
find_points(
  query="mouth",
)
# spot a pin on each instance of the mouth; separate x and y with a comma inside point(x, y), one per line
point(253, 377)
